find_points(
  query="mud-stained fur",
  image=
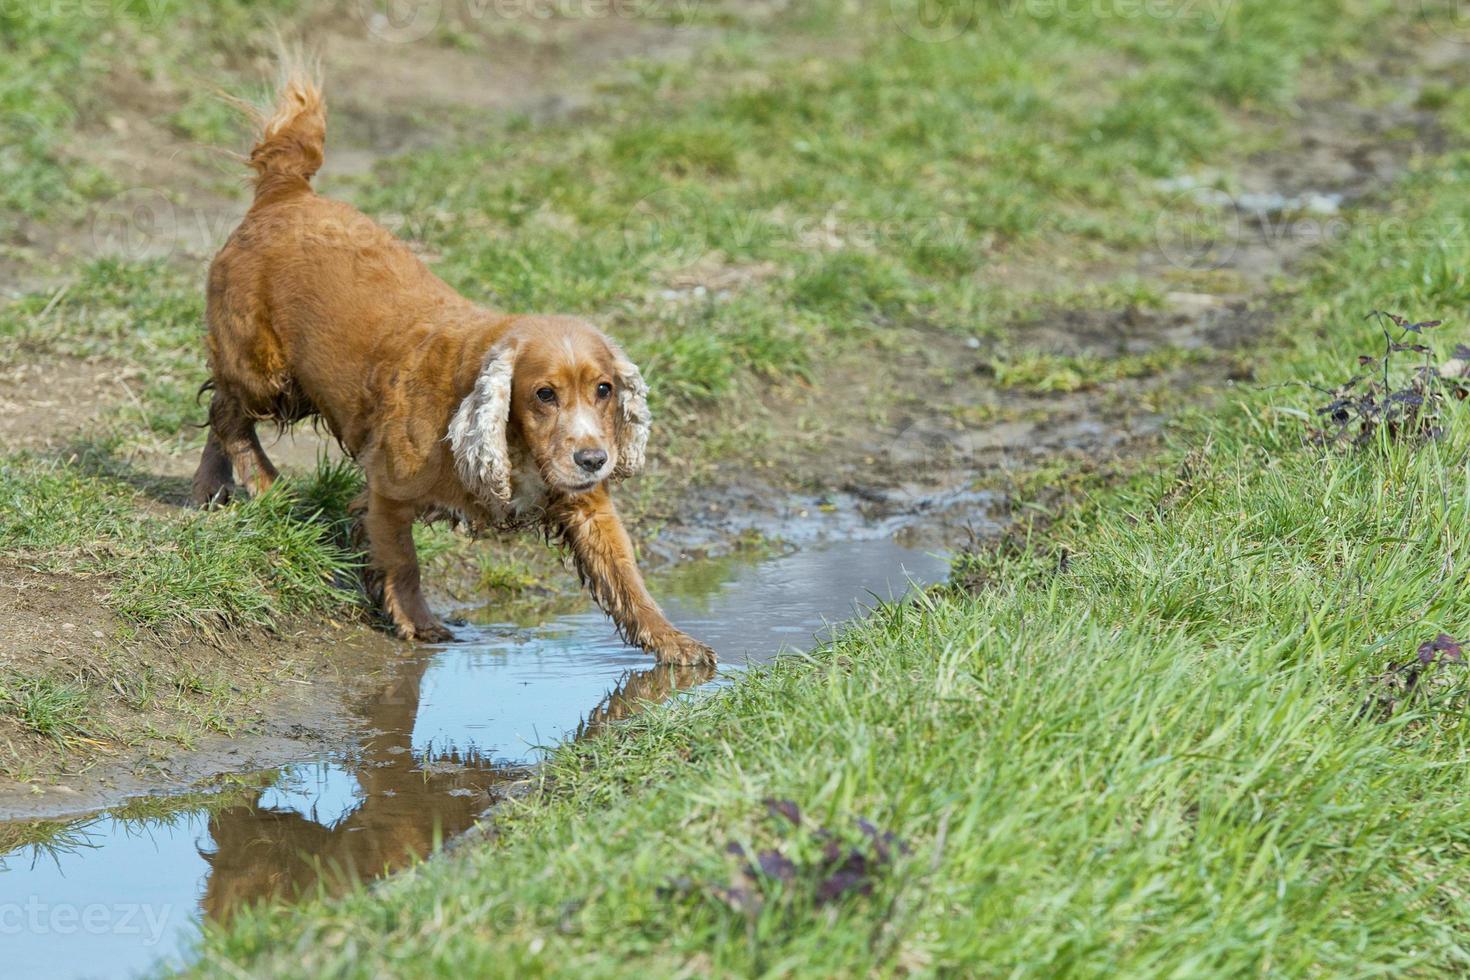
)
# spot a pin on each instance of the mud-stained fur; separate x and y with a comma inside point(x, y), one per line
point(450, 409)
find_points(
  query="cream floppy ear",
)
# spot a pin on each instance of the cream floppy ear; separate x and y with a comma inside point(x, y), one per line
point(633, 418)
point(477, 430)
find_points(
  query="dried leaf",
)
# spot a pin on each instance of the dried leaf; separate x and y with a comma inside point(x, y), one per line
point(884, 842)
point(855, 861)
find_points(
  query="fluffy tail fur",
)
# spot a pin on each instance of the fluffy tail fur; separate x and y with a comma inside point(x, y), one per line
point(288, 151)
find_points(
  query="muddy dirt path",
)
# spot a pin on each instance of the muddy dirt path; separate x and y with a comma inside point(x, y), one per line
point(178, 201)
point(953, 453)
point(959, 434)
point(391, 91)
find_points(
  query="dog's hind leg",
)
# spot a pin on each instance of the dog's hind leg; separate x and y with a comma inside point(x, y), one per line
point(233, 451)
point(254, 466)
point(214, 480)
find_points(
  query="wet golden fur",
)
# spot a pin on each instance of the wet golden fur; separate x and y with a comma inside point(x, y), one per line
point(315, 310)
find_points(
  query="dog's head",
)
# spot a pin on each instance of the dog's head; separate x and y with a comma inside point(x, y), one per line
point(556, 392)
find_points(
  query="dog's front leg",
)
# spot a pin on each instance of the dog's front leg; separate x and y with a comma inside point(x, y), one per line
point(604, 558)
point(389, 526)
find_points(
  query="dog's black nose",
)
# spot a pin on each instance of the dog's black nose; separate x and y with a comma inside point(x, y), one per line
point(590, 460)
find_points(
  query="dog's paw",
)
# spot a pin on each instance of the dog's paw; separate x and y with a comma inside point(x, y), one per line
point(432, 631)
point(212, 497)
point(682, 650)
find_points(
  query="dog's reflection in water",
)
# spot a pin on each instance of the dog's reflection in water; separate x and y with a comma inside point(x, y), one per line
point(409, 803)
point(639, 688)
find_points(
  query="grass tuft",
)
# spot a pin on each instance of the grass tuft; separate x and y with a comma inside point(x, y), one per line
point(249, 565)
point(50, 708)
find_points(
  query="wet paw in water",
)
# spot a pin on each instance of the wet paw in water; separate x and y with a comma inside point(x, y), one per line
point(682, 650)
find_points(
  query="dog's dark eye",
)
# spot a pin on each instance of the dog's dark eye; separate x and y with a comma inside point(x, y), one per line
point(546, 395)
point(603, 390)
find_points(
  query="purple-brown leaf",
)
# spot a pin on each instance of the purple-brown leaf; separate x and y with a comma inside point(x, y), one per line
point(777, 865)
point(843, 883)
point(783, 808)
point(1444, 648)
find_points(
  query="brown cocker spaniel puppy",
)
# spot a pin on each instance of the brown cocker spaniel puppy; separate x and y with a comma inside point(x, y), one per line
point(504, 420)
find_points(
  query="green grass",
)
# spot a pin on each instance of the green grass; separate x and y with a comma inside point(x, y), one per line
point(55, 60)
point(1151, 763)
point(1046, 373)
point(829, 202)
point(192, 593)
point(250, 565)
point(880, 185)
point(826, 205)
point(49, 708)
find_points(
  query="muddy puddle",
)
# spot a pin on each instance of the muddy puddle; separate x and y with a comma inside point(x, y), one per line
point(112, 894)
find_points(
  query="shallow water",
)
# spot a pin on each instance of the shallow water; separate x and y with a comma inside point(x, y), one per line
point(110, 896)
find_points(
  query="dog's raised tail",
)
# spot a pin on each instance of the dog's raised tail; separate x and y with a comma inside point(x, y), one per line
point(288, 151)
